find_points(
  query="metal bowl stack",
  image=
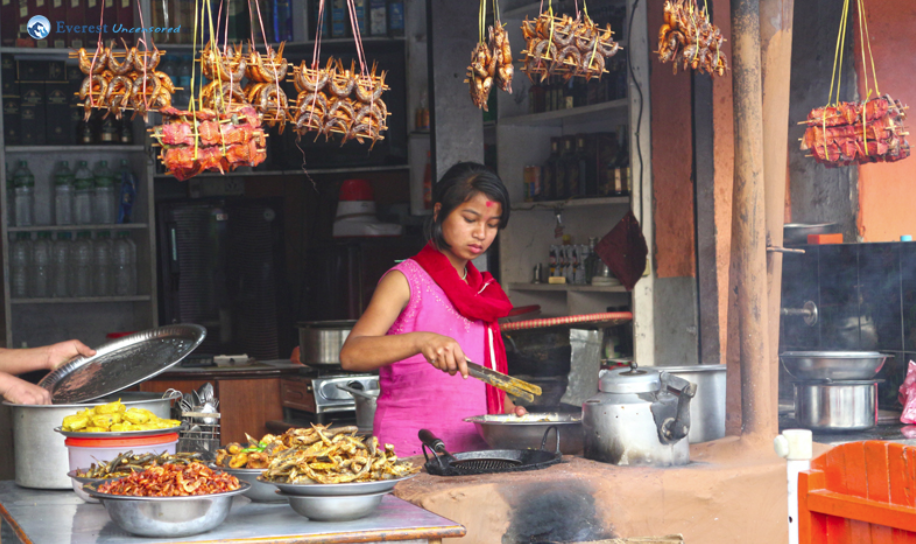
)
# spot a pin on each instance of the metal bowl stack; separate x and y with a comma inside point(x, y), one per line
point(167, 517)
point(336, 502)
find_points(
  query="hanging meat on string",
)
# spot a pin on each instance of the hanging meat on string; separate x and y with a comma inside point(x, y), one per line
point(119, 81)
point(857, 132)
point(225, 69)
point(566, 46)
point(206, 140)
point(491, 64)
point(688, 38)
point(340, 101)
point(263, 90)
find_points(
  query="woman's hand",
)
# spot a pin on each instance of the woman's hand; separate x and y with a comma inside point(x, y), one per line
point(511, 408)
point(62, 352)
point(443, 353)
point(22, 392)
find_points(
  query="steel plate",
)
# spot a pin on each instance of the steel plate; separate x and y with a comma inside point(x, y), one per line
point(123, 363)
point(338, 490)
point(121, 434)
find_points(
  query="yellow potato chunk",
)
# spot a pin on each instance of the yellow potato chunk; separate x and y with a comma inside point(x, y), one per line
point(75, 422)
point(106, 420)
point(121, 427)
point(135, 416)
point(110, 408)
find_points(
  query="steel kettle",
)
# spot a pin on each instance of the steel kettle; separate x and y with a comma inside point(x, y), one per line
point(639, 417)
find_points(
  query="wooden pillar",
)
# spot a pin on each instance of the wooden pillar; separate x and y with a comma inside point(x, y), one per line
point(758, 407)
point(776, 67)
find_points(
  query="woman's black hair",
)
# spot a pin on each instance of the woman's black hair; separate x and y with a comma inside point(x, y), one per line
point(460, 183)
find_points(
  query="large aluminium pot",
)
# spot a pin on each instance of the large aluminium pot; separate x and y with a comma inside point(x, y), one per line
point(848, 405)
point(41, 458)
point(320, 341)
point(639, 417)
point(707, 408)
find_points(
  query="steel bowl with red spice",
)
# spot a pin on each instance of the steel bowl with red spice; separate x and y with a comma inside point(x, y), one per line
point(169, 500)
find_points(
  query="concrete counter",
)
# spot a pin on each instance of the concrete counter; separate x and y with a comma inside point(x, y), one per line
point(731, 492)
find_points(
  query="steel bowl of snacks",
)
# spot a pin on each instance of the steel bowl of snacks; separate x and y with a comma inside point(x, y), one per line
point(158, 502)
point(350, 486)
point(247, 462)
point(122, 465)
point(512, 432)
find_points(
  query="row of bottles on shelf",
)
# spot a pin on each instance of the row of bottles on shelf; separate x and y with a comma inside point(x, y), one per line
point(577, 264)
point(83, 197)
point(65, 267)
point(555, 93)
point(275, 19)
point(581, 165)
point(104, 130)
point(373, 18)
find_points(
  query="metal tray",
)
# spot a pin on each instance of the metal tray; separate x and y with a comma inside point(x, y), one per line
point(121, 434)
point(338, 490)
point(122, 363)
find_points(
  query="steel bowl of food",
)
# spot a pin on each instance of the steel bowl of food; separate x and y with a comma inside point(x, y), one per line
point(833, 365)
point(331, 508)
point(512, 432)
point(259, 491)
point(79, 482)
point(167, 517)
point(337, 490)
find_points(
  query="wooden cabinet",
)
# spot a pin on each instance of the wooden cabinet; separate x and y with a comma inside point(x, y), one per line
point(245, 403)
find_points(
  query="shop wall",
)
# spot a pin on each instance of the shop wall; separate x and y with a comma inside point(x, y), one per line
point(676, 318)
point(819, 194)
point(887, 191)
point(724, 167)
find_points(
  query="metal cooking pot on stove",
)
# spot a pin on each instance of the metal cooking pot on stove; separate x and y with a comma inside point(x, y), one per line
point(320, 341)
point(639, 417)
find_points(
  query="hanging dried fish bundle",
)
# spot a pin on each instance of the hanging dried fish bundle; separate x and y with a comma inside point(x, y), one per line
point(340, 101)
point(491, 64)
point(225, 70)
point(119, 81)
point(263, 90)
point(857, 132)
point(195, 142)
point(689, 39)
point(566, 46)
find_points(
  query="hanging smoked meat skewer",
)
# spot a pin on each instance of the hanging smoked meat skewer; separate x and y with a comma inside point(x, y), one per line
point(689, 39)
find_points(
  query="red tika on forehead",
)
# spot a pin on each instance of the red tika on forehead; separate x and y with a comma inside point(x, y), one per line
point(490, 203)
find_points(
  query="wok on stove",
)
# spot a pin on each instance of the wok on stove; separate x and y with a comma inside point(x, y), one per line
point(833, 365)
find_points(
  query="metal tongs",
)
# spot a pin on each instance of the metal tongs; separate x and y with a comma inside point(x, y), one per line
point(514, 386)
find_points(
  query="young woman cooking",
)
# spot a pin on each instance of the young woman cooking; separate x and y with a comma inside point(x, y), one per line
point(431, 314)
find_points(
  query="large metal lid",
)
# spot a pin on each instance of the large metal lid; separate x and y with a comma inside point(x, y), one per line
point(629, 380)
point(122, 363)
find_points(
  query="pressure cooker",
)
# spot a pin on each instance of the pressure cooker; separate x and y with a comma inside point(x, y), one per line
point(639, 417)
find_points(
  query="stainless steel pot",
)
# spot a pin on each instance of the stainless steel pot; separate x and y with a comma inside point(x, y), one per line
point(41, 458)
point(366, 403)
point(639, 417)
point(508, 431)
point(320, 341)
point(707, 408)
point(850, 405)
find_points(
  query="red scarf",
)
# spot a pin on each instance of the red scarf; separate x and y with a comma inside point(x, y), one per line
point(480, 298)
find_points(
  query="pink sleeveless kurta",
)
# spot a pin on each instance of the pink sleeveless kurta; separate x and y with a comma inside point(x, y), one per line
point(415, 395)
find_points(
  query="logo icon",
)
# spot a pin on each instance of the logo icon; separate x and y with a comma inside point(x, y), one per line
point(39, 27)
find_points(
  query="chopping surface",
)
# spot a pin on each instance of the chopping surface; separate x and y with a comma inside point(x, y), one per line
point(53, 517)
